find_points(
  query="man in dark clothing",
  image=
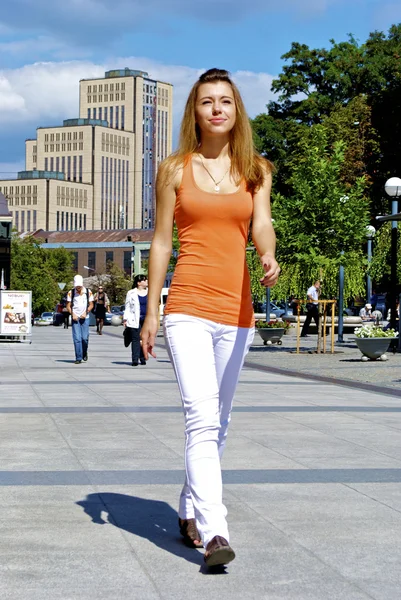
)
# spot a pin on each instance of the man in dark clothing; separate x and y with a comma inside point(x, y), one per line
point(312, 308)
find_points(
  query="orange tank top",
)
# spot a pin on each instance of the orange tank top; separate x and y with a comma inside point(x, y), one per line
point(211, 278)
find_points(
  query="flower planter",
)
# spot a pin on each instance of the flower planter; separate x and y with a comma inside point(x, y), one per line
point(373, 348)
point(271, 335)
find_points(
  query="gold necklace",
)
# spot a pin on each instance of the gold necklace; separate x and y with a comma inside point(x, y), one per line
point(216, 183)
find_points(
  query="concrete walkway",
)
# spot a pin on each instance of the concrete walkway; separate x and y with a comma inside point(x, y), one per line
point(91, 469)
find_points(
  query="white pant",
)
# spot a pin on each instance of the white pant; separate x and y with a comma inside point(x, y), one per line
point(207, 358)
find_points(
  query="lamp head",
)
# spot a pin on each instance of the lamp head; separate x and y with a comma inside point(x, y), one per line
point(393, 187)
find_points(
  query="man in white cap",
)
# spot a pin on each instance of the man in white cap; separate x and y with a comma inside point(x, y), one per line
point(366, 312)
point(79, 305)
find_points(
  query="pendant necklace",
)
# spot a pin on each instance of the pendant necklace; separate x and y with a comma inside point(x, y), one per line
point(216, 183)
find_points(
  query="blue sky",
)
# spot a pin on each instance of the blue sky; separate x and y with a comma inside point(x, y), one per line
point(46, 46)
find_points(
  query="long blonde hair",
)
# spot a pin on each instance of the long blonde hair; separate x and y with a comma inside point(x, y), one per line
point(246, 163)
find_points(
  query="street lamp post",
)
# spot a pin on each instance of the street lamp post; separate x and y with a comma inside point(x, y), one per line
point(393, 189)
point(370, 234)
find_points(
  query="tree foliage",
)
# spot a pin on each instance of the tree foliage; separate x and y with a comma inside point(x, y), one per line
point(355, 90)
point(116, 284)
point(321, 223)
point(379, 268)
point(40, 270)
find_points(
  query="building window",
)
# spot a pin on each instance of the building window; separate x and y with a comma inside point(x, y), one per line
point(105, 113)
point(89, 113)
point(92, 260)
point(62, 221)
point(106, 87)
point(75, 146)
point(22, 220)
point(75, 261)
point(46, 164)
point(94, 113)
point(52, 164)
point(81, 145)
point(111, 97)
point(106, 97)
point(16, 220)
point(123, 96)
point(94, 88)
point(46, 148)
point(74, 168)
point(100, 114)
point(28, 219)
point(127, 262)
point(85, 222)
point(34, 220)
point(94, 98)
point(117, 115)
point(58, 220)
point(112, 87)
point(63, 163)
point(109, 259)
point(69, 168)
point(80, 168)
point(123, 86)
point(81, 135)
point(76, 221)
point(89, 89)
point(46, 137)
point(111, 116)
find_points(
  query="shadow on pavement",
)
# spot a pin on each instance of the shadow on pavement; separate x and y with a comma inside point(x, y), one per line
point(153, 520)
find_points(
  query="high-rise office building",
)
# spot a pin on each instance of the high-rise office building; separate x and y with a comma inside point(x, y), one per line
point(131, 101)
point(97, 171)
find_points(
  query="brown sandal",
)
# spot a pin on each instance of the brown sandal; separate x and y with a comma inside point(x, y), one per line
point(218, 552)
point(190, 533)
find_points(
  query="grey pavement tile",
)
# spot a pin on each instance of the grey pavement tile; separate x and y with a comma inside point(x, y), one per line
point(47, 495)
point(386, 493)
point(82, 575)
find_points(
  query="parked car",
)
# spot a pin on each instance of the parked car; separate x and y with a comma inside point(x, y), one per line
point(47, 316)
point(118, 310)
point(278, 309)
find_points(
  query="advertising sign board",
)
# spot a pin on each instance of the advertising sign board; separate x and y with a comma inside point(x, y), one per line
point(15, 313)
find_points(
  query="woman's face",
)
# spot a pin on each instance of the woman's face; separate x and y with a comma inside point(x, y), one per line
point(215, 110)
point(143, 285)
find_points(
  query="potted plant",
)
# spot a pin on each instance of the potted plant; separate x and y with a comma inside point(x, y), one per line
point(373, 341)
point(271, 332)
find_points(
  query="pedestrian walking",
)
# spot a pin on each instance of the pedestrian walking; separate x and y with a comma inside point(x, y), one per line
point(102, 304)
point(312, 308)
point(79, 305)
point(213, 186)
point(134, 316)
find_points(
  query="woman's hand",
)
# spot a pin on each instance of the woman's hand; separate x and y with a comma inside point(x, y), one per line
point(148, 336)
point(271, 269)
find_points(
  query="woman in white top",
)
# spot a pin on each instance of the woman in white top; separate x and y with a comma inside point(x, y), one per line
point(134, 315)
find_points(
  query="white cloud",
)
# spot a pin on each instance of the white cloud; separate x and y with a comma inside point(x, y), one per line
point(47, 93)
point(43, 94)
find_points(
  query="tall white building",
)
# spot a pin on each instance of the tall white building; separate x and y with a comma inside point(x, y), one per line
point(131, 101)
point(103, 163)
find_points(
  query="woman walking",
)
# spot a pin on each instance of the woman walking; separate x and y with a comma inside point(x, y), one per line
point(102, 305)
point(134, 315)
point(213, 187)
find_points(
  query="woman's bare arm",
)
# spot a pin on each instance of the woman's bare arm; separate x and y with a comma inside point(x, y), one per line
point(160, 253)
point(263, 234)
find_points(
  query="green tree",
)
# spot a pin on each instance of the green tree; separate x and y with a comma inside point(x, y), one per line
point(379, 268)
point(322, 223)
point(117, 284)
point(40, 270)
point(317, 83)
